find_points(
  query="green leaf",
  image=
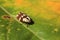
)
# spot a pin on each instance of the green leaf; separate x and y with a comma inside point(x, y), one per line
point(12, 30)
point(45, 14)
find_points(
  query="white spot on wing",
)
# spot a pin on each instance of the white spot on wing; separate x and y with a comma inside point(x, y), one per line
point(25, 20)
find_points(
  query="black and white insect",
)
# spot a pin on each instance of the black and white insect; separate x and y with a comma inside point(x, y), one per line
point(24, 18)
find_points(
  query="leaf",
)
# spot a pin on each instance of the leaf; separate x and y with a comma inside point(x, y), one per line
point(45, 15)
point(12, 30)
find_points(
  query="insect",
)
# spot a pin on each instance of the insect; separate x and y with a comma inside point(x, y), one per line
point(24, 18)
